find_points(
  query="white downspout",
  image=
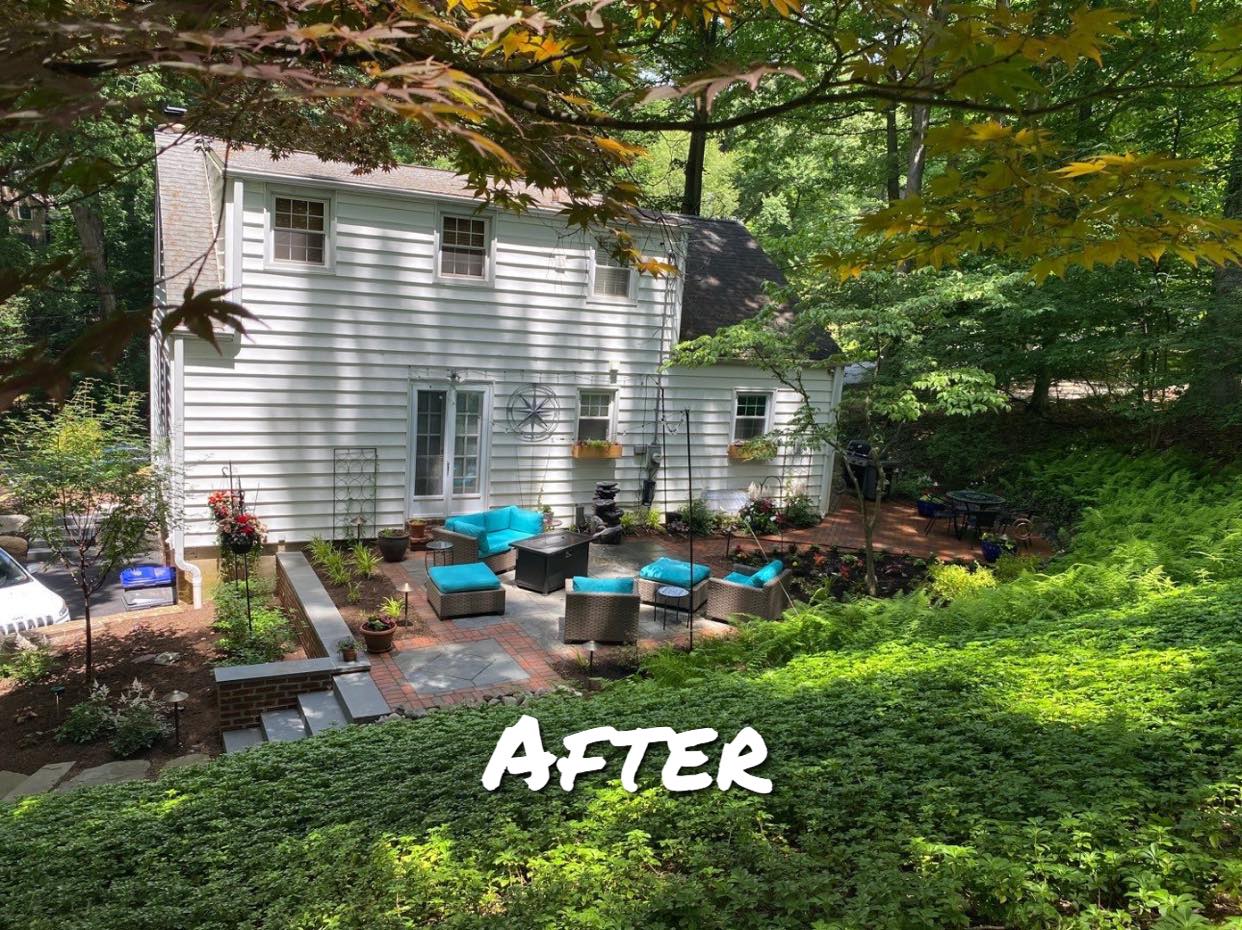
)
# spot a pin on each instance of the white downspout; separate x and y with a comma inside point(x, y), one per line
point(177, 451)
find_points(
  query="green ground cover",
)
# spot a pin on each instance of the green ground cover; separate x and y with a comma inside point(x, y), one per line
point(1058, 750)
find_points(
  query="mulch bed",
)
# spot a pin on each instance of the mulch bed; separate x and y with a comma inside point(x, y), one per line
point(843, 571)
point(28, 716)
point(372, 593)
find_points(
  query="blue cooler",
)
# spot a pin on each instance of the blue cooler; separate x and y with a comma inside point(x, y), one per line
point(148, 586)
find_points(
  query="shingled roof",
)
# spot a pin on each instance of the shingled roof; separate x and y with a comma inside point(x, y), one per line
point(726, 269)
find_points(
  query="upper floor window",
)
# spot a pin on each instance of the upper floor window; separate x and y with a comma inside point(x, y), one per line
point(463, 247)
point(594, 415)
point(751, 416)
point(299, 231)
point(611, 281)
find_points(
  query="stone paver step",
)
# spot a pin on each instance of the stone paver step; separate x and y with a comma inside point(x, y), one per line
point(241, 740)
point(361, 700)
point(322, 711)
point(41, 781)
point(110, 773)
point(9, 781)
point(283, 726)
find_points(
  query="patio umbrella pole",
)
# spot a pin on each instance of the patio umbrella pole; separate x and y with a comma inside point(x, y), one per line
point(689, 523)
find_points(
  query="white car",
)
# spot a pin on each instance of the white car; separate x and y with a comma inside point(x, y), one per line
point(25, 603)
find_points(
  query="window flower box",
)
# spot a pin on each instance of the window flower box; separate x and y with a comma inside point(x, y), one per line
point(596, 449)
point(753, 450)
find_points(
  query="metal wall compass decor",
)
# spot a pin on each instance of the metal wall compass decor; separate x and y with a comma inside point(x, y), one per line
point(533, 412)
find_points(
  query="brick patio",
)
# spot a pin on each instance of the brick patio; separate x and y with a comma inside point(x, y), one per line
point(440, 665)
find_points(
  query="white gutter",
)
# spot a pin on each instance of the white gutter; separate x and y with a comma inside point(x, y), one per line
point(177, 453)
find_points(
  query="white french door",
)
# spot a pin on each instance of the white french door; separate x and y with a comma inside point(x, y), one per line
point(448, 449)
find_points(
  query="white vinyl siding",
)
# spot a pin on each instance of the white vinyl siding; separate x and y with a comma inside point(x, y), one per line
point(341, 354)
point(299, 230)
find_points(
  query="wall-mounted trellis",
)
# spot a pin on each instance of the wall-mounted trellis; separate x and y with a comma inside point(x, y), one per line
point(354, 471)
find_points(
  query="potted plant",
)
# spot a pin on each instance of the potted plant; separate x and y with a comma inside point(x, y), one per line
point(549, 518)
point(377, 631)
point(349, 649)
point(418, 530)
point(393, 543)
point(596, 449)
point(758, 449)
point(993, 544)
point(930, 506)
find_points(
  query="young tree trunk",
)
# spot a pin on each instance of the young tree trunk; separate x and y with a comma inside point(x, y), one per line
point(892, 161)
point(692, 191)
point(90, 645)
point(94, 249)
point(920, 117)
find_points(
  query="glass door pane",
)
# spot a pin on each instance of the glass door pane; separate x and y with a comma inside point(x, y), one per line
point(429, 443)
point(467, 442)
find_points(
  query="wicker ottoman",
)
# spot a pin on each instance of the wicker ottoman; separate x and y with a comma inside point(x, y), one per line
point(464, 591)
point(647, 592)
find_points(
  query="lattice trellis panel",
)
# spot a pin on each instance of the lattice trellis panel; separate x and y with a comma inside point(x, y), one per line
point(354, 481)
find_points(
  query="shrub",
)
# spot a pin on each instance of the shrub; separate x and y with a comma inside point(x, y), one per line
point(138, 721)
point(951, 581)
point(88, 721)
point(28, 664)
point(265, 637)
point(800, 511)
point(760, 516)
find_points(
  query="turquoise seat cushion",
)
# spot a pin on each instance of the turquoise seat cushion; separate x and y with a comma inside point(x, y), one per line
point(495, 520)
point(529, 522)
point(604, 585)
point(456, 579)
point(737, 578)
point(674, 572)
point(499, 541)
point(767, 573)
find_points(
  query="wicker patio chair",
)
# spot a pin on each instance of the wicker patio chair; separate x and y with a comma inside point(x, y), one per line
point(726, 598)
point(466, 549)
point(602, 617)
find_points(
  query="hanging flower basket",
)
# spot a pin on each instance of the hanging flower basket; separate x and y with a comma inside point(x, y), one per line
point(241, 532)
point(241, 546)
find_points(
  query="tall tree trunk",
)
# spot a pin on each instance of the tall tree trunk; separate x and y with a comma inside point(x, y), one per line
point(692, 192)
point(920, 117)
point(1218, 385)
point(94, 249)
point(892, 160)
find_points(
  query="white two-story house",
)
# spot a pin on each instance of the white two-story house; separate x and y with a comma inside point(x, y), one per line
point(416, 353)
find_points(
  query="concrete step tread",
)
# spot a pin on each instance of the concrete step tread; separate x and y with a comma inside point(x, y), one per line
point(362, 701)
point(322, 711)
point(45, 779)
point(241, 740)
point(283, 726)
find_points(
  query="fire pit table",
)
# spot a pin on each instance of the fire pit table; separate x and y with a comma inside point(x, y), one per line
point(544, 562)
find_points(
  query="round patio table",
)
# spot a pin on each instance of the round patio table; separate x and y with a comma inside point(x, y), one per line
point(971, 505)
point(670, 597)
point(436, 553)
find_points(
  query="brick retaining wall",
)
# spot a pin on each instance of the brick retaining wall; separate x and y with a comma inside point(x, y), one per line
point(243, 692)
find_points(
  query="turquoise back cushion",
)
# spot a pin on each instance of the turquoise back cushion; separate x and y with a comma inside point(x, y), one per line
point(604, 585)
point(470, 524)
point(737, 578)
point(473, 576)
point(497, 519)
point(672, 571)
point(525, 521)
point(767, 573)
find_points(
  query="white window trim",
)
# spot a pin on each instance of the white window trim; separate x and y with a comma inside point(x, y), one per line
point(629, 300)
point(767, 423)
point(269, 227)
point(489, 257)
point(612, 411)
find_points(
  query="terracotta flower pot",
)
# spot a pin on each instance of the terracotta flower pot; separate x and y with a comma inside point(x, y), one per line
point(418, 530)
point(350, 655)
point(378, 640)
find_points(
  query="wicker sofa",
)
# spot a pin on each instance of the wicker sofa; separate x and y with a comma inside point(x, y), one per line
point(602, 617)
point(726, 598)
point(486, 536)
